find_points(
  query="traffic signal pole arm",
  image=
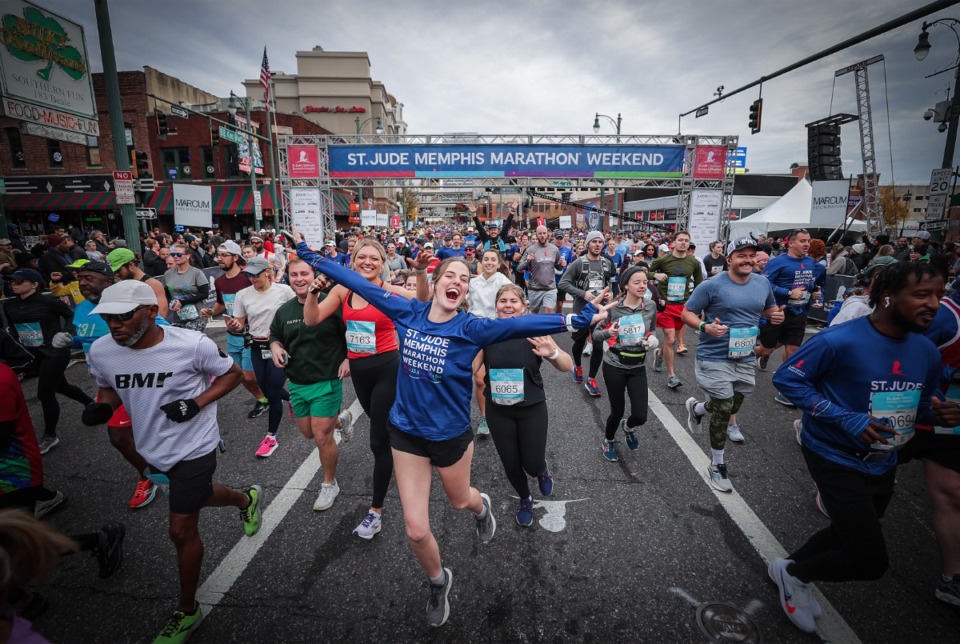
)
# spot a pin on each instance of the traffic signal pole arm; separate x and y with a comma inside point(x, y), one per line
point(212, 118)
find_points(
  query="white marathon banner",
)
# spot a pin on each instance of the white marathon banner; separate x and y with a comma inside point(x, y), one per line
point(566, 221)
point(828, 206)
point(368, 217)
point(192, 205)
point(704, 222)
point(306, 211)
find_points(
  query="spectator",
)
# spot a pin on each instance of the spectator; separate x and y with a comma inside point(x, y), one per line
point(884, 256)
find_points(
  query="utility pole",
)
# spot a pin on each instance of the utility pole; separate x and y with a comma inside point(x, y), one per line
point(112, 86)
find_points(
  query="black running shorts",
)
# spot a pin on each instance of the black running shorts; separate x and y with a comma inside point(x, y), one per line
point(441, 453)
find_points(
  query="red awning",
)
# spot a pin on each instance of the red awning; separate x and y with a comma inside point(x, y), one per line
point(53, 201)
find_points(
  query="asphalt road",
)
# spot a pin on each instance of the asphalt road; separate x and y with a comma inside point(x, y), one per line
point(623, 551)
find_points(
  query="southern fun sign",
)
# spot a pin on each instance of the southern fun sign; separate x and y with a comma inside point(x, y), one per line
point(592, 161)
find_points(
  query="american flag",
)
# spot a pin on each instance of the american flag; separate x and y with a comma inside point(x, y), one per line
point(265, 78)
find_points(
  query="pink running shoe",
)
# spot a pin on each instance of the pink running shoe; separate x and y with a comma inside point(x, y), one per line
point(268, 446)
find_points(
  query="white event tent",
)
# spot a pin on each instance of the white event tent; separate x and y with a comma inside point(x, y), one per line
point(790, 211)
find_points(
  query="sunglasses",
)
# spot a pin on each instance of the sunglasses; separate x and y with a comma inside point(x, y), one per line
point(177, 254)
point(468, 250)
point(121, 317)
point(224, 255)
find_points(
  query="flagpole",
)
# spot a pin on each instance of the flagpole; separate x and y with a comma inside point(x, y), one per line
point(277, 205)
point(266, 79)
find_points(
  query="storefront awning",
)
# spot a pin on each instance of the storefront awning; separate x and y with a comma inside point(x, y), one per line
point(53, 201)
point(227, 200)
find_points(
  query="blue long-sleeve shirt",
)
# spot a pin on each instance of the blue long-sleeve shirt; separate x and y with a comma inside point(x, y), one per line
point(847, 375)
point(786, 273)
point(436, 370)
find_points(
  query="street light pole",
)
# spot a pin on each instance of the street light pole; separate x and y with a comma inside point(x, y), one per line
point(921, 51)
point(253, 170)
point(378, 130)
point(596, 130)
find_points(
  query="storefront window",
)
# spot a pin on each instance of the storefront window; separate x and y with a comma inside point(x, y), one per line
point(54, 154)
point(233, 162)
point(209, 166)
point(16, 148)
point(176, 163)
point(93, 151)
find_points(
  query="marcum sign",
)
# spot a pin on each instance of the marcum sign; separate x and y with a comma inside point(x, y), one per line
point(559, 161)
point(43, 60)
point(192, 205)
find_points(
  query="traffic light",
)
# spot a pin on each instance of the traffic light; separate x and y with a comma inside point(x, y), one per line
point(215, 136)
point(823, 152)
point(162, 128)
point(756, 111)
point(141, 164)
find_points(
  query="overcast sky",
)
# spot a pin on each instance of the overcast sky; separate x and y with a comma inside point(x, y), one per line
point(547, 66)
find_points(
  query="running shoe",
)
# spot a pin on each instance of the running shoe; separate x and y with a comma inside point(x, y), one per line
point(110, 554)
point(438, 606)
point(371, 525)
point(780, 398)
point(948, 590)
point(762, 362)
point(657, 360)
point(718, 477)
point(487, 525)
point(545, 481)
point(328, 494)
point(693, 418)
point(482, 428)
point(609, 450)
point(268, 446)
point(47, 443)
point(144, 493)
point(798, 428)
point(525, 512)
point(43, 508)
point(820, 506)
point(631, 435)
point(588, 349)
point(252, 513)
point(259, 409)
point(681, 350)
point(578, 374)
point(346, 426)
point(673, 382)
point(180, 626)
point(592, 387)
point(794, 596)
point(734, 433)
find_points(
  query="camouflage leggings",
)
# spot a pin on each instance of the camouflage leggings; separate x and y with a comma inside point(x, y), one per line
point(720, 412)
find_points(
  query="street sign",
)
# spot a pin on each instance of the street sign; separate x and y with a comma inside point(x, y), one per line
point(257, 205)
point(176, 110)
point(940, 225)
point(123, 185)
point(937, 193)
point(146, 213)
point(230, 135)
point(702, 111)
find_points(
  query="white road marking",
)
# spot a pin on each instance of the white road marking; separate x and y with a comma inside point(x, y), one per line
point(831, 627)
point(554, 518)
point(222, 579)
point(682, 594)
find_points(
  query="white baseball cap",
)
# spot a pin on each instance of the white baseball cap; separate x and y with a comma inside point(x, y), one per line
point(231, 247)
point(124, 297)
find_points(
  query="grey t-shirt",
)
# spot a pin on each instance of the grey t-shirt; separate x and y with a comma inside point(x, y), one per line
point(184, 285)
point(736, 305)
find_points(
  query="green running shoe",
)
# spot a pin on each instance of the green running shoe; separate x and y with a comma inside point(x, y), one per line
point(180, 626)
point(251, 514)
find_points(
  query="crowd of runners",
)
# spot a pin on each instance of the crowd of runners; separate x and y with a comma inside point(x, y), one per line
point(424, 323)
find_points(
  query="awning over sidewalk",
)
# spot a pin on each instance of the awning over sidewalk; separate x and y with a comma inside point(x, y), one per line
point(53, 201)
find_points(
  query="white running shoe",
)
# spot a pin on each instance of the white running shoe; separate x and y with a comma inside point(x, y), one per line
point(734, 433)
point(328, 493)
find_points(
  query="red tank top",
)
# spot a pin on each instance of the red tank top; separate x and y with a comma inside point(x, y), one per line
point(369, 331)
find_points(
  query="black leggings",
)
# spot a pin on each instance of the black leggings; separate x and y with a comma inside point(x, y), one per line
point(52, 380)
point(270, 379)
point(520, 435)
point(596, 358)
point(852, 546)
point(634, 383)
point(375, 381)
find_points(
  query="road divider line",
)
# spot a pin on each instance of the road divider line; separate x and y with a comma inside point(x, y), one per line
point(831, 627)
point(231, 568)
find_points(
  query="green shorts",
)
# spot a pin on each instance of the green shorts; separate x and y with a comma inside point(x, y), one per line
point(320, 399)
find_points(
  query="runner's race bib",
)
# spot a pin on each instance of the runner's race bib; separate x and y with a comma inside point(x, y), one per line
point(676, 289)
point(361, 337)
point(506, 386)
point(595, 284)
point(632, 330)
point(228, 299)
point(953, 395)
point(898, 410)
point(742, 341)
point(804, 298)
point(30, 334)
point(188, 312)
